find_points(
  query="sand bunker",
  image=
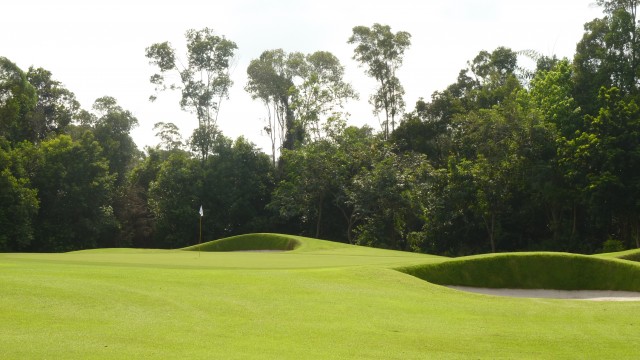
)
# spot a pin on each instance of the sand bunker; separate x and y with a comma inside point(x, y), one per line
point(593, 295)
point(259, 251)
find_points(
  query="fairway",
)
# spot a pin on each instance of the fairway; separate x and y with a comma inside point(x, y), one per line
point(320, 301)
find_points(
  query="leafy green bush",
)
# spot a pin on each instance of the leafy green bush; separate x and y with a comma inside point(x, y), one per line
point(612, 245)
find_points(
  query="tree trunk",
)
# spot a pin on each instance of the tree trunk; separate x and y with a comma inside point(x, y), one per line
point(492, 234)
point(637, 234)
point(575, 221)
point(350, 219)
point(319, 221)
point(490, 226)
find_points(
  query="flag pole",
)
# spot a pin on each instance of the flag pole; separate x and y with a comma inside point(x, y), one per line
point(200, 237)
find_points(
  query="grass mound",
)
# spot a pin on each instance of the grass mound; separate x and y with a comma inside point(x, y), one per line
point(532, 271)
point(633, 255)
point(249, 242)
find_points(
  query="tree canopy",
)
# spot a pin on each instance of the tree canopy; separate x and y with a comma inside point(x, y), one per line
point(507, 157)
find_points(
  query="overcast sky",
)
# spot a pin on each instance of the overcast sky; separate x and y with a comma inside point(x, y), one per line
point(97, 48)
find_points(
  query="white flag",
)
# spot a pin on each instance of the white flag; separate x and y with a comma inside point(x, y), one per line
point(201, 212)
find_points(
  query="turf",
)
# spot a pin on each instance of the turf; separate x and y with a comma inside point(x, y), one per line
point(319, 301)
point(633, 255)
point(533, 271)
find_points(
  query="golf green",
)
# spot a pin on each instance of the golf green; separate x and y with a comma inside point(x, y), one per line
point(319, 301)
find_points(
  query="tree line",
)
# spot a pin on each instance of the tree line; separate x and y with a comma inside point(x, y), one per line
point(505, 158)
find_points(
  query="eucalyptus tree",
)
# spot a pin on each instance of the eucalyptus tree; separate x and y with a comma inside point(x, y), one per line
point(300, 92)
point(382, 52)
point(610, 6)
point(203, 80)
point(270, 78)
point(321, 92)
point(169, 135)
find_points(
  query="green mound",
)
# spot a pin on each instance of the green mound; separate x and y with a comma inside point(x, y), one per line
point(533, 271)
point(633, 255)
point(250, 242)
point(275, 242)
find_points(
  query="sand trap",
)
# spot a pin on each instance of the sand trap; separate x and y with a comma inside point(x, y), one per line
point(259, 251)
point(593, 295)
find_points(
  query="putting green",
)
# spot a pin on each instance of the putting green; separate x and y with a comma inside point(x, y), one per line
point(319, 301)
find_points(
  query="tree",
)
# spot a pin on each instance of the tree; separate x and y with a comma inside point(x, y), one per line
point(322, 91)
point(174, 198)
point(18, 200)
point(138, 222)
point(300, 92)
point(388, 198)
point(270, 77)
point(491, 162)
point(56, 108)
point(424, 133)
point(204, 82)
point(237, 183)
point(551, 91)
point(310, 176)
point(607, 55)
point(382, 52)
point(233, 186)
point(169, 134)
point(74, 188)
point(603, 163)
point(17, 98)
point(318, 178)
point(112, 127)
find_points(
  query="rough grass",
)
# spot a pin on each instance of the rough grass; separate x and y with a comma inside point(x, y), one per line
point(326, 302)
point(533, 271)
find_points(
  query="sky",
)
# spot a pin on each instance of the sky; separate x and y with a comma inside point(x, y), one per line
point(97, 49)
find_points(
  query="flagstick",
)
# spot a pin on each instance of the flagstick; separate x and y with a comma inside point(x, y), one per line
point(200, 238)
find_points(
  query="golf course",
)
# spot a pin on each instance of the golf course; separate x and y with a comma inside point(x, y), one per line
point(266, 296)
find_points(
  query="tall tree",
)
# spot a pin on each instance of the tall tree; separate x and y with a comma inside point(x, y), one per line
point(169, 135)
point(270, 77)
point(603, 162)
point(387, 197)
point(322, 92)
point(56, 108)
point(17, 98)
point(18, 200)
point(75, 188)
point(608, 55)
point(204, 81)
point(301, 93)
point(382, 52)
point(174, 198)
point(112, 127)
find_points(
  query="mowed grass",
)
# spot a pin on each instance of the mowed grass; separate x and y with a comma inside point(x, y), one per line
point(533, 271)
point(319, 301)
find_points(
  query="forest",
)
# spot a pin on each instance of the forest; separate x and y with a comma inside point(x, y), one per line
point(506, 158)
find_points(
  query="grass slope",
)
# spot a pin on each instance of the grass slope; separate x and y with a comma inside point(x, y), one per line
point(633, 255)
point(533, 271)
point(331, 302)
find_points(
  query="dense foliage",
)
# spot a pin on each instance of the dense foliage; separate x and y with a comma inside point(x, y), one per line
point(503, 159)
